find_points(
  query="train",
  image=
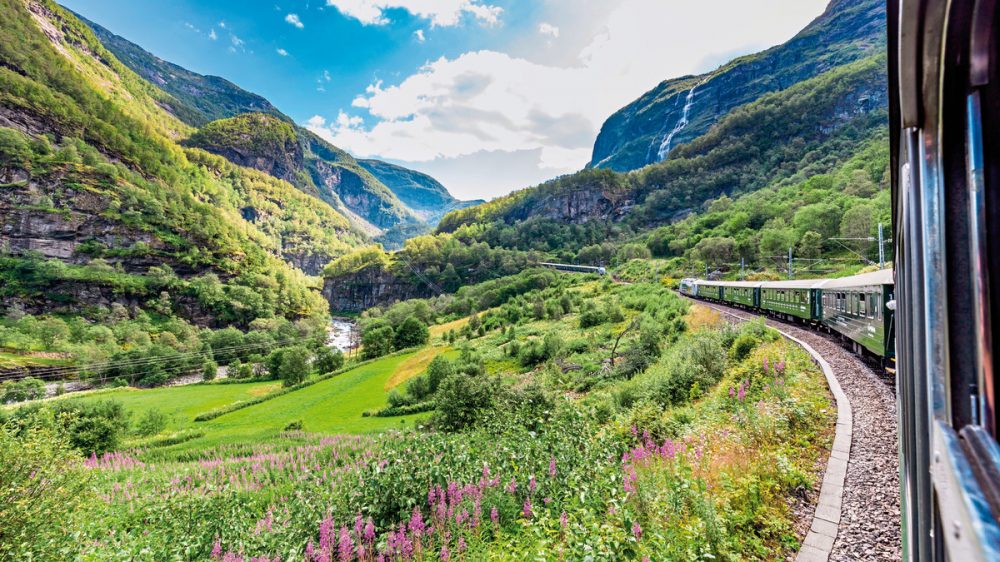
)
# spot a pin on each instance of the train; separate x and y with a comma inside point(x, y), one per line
point(944, 148)
point(859, 308)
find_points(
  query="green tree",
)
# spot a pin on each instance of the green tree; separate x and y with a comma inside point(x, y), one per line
point(328, 360)
point(716, 251)
point(293, 367)
point(823, 218)
point(411, 333)
point(810, 245)
point(377, 341)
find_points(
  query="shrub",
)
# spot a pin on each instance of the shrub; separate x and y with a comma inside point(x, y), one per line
point(462, 400)
point(28, 388)
point(152, 422)
point(377, 341)
point(292, 364)
point(742, 347)
point(209, 370)
point(439, 369)
point(411, 333)
point(328, 360)
point(295, 425)
point(44, 484)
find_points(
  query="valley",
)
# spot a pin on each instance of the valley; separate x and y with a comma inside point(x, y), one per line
point(375, 369)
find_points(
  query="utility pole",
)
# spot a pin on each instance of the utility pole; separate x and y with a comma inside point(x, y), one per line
point(790, 274)
point(881, 248)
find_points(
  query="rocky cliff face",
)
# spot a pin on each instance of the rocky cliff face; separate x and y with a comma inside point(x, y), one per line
point(635, 136)
point(368, 288)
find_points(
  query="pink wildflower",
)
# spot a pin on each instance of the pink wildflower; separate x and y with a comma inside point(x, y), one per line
point(216, 550)
point(563, 520)
point(444, 553)
point(532, 484)
point(346, 547)
point(494, 515)
point(552, 467)
point(637, 531)
point(526, 510)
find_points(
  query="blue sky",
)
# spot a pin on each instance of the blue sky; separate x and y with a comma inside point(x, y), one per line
point(486, 95)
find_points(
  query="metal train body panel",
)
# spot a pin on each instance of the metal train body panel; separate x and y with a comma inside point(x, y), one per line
point(857, 308)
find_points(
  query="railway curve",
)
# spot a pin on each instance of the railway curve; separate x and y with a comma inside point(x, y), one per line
point(869, 519)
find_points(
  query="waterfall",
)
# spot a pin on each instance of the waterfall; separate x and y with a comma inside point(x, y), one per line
point(668, 140)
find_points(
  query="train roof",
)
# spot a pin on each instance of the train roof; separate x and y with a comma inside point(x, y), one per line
point(732, 283)
point(794, 284)
point(880, 277)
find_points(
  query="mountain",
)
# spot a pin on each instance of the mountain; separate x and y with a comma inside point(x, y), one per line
point(806, 129)
point(377, 196)
point(417, 190)
point(294, 154)
point(204, 98)
point(101, 206)
point(679, 110)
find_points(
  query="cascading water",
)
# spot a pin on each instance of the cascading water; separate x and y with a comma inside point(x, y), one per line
point(665, 144)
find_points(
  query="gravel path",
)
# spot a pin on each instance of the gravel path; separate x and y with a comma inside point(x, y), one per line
point(869, 525)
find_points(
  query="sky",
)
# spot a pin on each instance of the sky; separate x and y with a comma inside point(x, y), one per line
point(487, 96)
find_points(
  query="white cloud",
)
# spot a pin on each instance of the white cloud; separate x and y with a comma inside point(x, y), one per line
point(440, 12)
point(419, 34)
point(222, 24)
point(457, 110)
point(294, 20)
point(326, 75)
point(212, 35)
point(235, 43)
point(548, 29)
point(282, 52)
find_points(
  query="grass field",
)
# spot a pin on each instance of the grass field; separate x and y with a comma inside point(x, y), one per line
point(331, 406)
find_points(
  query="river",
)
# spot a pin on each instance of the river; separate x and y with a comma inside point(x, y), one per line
point(339, 334)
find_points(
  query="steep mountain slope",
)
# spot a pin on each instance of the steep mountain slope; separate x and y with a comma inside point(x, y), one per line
point(417, 190)
point(293, 154)
point(803, 130)
point(99, 205)
point(394, 197)
point(680, 110)
point(206, 98)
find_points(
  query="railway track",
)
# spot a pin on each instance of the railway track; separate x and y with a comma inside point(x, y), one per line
point(869, 527)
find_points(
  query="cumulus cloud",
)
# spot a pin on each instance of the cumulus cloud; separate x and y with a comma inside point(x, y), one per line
point(294, 20)
point(440, 12)
point(458, 110)
point(548, 29)
point(282, 52)
point(212, 35)
point(419, 34)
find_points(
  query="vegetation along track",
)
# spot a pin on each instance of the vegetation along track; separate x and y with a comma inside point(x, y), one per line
point(869, 522)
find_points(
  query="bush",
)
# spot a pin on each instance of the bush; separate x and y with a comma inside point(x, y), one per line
point(377, 341)
point(462, 400)
point(209, 370)
point(295, 425)
point(28, 388)
point(328, 360)
point(154, 421)
point(44, 484)
point(290, 364)
point(742, 347)
point(411, 333)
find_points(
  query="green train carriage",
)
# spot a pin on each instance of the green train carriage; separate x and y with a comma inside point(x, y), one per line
point(792, 299)
point(741, 293)
point(857, 308)
point(710, 290)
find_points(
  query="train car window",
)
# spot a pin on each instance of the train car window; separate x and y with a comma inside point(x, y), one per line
point(862, 308)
